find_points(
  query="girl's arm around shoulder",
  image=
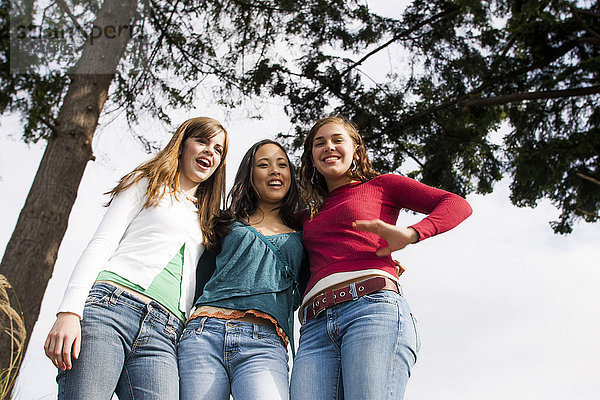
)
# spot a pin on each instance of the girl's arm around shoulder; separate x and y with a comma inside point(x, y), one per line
point(445, 209)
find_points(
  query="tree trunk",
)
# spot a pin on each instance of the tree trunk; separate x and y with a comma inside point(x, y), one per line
point(33, 247)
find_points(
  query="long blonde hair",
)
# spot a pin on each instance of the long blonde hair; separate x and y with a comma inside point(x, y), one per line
point(162, 173)
point(312, 183)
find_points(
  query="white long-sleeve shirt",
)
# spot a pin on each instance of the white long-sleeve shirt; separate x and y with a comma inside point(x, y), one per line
point(137, 243)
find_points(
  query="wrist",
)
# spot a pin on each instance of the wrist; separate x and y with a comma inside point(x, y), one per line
point(67, 314)
point(414, 236)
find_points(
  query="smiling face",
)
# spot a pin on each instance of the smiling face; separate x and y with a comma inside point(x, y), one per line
point(332, 153)
point(271, 176)
point(200, 157)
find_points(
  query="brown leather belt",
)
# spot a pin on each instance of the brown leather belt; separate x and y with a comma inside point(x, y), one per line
point(349, 292)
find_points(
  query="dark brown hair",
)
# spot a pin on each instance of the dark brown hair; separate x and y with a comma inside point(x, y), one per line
point(243, 200)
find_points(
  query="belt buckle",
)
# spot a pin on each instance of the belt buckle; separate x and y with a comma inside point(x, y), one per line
point(321, 303)
point(319, 312)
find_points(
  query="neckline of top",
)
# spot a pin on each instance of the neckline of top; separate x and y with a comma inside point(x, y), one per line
point(345, 186)
point(267, 236)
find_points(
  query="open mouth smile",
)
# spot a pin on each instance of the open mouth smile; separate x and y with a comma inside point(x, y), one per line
point(330, 159)
point(275, 184)
point(203, 163)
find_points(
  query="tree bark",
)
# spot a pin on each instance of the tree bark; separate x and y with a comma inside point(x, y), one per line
point(33, 247)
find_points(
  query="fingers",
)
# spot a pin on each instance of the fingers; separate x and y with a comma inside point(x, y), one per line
point(396, 238)
point(76, 347)
point(53, 350)
point(61, 344)
point(383, 251)
point(49, 353)
point(399, 268)
point(66, 356)
point(64, 341)
point(368, 225)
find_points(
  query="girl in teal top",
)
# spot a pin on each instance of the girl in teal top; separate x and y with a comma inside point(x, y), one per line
point(236, 340)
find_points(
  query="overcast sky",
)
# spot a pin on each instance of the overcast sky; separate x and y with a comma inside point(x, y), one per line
point(506, 308)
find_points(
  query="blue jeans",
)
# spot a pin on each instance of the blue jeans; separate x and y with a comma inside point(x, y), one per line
point(220, 357)
point(357, 350)
point(127, 347)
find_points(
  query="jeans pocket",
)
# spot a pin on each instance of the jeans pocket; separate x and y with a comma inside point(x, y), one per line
point(273, 339)
point(96, 299)
point(416, 328)
point(382, 296)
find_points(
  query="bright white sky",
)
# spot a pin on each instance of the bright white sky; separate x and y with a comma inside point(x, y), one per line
point(507, 309)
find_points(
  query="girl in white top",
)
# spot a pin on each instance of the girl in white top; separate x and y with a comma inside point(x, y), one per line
point(120, 336)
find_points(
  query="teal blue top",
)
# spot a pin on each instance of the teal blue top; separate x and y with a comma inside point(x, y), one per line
point(254, 272)
point(165, 288)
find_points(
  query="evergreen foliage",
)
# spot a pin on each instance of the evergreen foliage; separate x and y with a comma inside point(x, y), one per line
point(459, 69)
point(467, 67)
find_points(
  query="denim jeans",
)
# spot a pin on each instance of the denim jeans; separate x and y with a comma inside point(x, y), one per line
point(127, 347)
point(357, 350)
point(220, 357)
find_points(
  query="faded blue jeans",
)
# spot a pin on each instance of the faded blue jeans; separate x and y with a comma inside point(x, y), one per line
point(127, 347)
point(220, 357)
point(357, 350)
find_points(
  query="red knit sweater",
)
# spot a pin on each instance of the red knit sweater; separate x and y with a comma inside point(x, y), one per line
point(334, 246)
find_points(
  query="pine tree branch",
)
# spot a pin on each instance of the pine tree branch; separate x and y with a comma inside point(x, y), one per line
point(588, 178)
point(65, 8)
point(48, 124)
point(588, 213)
point(403, 34)
point(562, 50)
point(587, 12)
point(511, 98)
point(577, 14)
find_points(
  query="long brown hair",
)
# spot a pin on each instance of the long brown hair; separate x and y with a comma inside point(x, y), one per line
point(162, 173)
point(312, 183)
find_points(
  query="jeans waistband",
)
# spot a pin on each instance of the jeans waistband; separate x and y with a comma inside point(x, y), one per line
point(352, 291)
point(154, 308)
point(231, 325)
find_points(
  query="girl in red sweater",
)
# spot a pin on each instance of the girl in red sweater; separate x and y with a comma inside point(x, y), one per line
point(363, 348)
